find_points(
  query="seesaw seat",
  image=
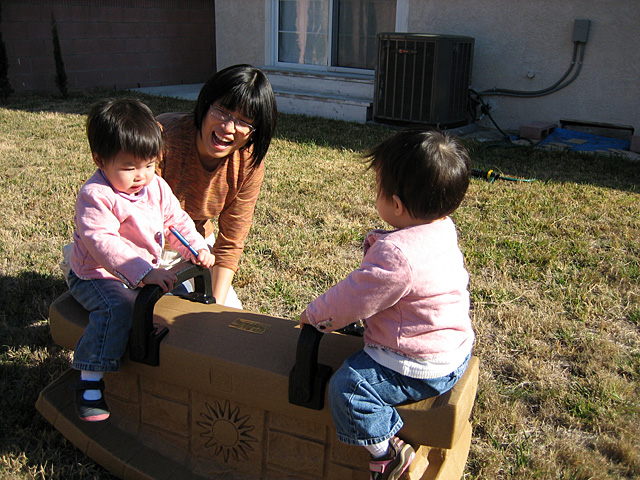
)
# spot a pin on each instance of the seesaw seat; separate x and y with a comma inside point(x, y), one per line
point(218, 404)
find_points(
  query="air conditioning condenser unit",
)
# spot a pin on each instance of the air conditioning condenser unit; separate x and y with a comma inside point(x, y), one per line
point(423, 79)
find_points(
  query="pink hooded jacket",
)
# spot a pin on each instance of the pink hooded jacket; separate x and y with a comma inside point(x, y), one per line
point(411, 290)
point(121, 237)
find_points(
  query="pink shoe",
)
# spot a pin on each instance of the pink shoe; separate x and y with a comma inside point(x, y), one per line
point(394, 463)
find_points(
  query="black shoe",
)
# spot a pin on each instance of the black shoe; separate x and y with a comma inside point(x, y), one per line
point(90, 410)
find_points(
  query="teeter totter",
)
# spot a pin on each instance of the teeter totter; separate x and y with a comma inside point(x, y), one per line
point(211, 392)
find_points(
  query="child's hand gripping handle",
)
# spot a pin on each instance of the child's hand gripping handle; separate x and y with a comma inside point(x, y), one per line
point(144, 340)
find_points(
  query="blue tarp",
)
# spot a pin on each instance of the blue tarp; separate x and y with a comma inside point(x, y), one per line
point(583, 142)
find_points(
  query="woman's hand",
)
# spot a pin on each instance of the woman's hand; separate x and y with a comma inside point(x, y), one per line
point(205, 258)
point(163, 278)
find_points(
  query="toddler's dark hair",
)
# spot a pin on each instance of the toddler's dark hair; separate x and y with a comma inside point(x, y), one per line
point(124, 125)
point(427, 169)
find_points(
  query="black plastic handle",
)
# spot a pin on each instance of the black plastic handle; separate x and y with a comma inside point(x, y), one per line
point(308, 379)
point(144, 339)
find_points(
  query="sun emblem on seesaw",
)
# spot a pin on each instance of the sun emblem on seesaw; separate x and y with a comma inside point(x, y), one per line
point(226, 431)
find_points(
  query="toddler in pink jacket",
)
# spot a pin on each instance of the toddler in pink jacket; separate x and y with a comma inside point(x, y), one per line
point(410, 290)
point(122, 217)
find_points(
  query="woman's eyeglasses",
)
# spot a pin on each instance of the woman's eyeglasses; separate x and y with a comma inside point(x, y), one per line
point(242, 127)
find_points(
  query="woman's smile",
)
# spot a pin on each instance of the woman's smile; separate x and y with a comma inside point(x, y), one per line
point(220, 140)
point(224, 137)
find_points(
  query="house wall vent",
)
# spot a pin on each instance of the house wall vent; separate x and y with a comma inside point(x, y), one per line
point(423, 79)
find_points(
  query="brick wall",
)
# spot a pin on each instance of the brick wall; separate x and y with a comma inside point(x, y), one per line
point(109, 43)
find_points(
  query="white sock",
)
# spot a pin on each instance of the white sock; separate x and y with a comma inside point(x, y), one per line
point(379, 449)
point(91, 394)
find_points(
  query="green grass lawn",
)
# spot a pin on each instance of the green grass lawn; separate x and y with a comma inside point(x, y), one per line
point(554, 266)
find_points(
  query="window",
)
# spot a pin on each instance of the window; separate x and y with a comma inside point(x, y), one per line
point(332, 33)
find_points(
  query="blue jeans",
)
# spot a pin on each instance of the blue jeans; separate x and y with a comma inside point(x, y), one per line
point(104, 341)
point(362, 395)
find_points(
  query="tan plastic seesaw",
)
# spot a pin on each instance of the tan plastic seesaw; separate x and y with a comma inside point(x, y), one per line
point(231, 394)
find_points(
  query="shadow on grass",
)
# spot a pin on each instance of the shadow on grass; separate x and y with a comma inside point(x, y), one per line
point(522, 162)
point(614, 171)
point(29, 361)
point(296, 128)
point(80, 102)
point(336, 134)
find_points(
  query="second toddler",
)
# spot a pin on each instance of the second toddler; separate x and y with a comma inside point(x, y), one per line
point(411, 291)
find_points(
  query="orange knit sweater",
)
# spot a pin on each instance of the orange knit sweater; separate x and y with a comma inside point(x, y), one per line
point(228, 193)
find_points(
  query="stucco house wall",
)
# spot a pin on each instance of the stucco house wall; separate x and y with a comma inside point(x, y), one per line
point(528, 46)
point(518, 45)
point(106, 43)
point(240, 33)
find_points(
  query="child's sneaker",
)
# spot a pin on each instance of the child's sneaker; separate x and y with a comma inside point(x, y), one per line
point(394, 463)
point(89, 410)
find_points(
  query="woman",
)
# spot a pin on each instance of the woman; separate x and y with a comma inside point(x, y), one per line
point(213, 161)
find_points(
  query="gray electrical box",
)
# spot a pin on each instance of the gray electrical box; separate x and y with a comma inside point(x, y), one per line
point(581, 30)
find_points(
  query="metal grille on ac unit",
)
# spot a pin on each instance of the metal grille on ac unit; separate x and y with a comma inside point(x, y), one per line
point(423, 79)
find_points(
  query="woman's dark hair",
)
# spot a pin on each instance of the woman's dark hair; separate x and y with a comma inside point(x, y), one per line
point(245, 89)
point(124, 125)
point(428, 170)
